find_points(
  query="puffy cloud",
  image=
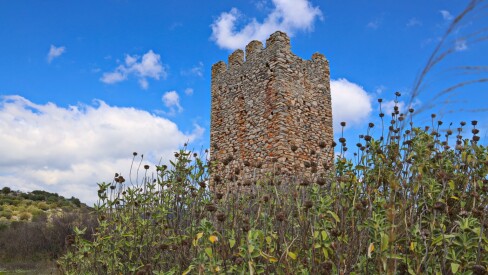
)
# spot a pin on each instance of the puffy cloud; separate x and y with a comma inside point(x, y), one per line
point(446, 15)
point(171, 100)
point(196, 70)
point(55, 52)
point(374, 24)
point(350, 103)
point(288, 16)
point(150, 66)
point(414, 22)
point(68, 150)
point(189, 91)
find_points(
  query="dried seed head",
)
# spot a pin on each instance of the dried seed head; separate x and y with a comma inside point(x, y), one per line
point(321, 181)
point(294, 148)
point(463, 123)
point(479, 270)
point(322, 144)
point(308, 204)
point(305, 182)
point(146, 166)
point(280, 216)
point(474, 122)
point(211, 207)
point(220, 216)
point(380, 100)
point(343, 123)
point(439, 206)
point(134, 154)
point(398, 94)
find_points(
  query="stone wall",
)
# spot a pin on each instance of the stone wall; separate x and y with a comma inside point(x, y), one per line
point(271, 113)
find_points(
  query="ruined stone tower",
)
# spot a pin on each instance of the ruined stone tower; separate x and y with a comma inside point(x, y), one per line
point(271, 111)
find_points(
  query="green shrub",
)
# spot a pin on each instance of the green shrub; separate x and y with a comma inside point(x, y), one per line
point(43, 205)
point(6, 190)
point(406, 203)
point(24, 216)
point(6, 213)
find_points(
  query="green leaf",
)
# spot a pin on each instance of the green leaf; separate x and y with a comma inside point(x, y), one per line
point(384, 241)
point(451, 185)
point(334, 215)
point(188, 270)
point(268, 239)
point(454, 267)
point(292, 255)
point(232, 242)
point(208, 251)
point(324, 235)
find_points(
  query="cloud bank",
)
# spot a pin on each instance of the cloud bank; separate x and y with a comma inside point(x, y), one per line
point(171, 100)
point(55, 52)
point(350, 103)
point(289, 16)
point(149, 66)
point(68, 150)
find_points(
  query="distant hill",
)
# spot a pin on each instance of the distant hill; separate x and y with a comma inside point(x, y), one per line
point(34, 226)
point(20, 206)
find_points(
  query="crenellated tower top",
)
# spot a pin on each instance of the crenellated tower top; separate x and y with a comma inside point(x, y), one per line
point(271, 110)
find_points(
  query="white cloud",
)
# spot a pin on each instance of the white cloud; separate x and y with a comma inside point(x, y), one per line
point(414, 22)
point(68, 150)
point(55, 52)
point(171, 100)
point(288, 16)
point(446, 15)
point(150, 66)
point(189, 91)
point(350, 103)
point(460, 45)
point(196, 70)
point(374, 24)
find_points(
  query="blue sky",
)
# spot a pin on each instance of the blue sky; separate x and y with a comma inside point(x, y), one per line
point(83, 84)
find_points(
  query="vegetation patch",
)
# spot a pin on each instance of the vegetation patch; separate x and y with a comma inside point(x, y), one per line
point(411, 201)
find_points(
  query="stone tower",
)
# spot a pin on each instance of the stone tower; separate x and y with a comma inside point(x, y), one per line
point(271, 112)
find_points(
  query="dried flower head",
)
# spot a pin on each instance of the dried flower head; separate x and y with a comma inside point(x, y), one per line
point(220, 216)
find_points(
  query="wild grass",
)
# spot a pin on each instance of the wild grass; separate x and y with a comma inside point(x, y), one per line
point(412, 201)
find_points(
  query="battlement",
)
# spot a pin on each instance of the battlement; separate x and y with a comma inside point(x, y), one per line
point(271, 110)
point(278, 43)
